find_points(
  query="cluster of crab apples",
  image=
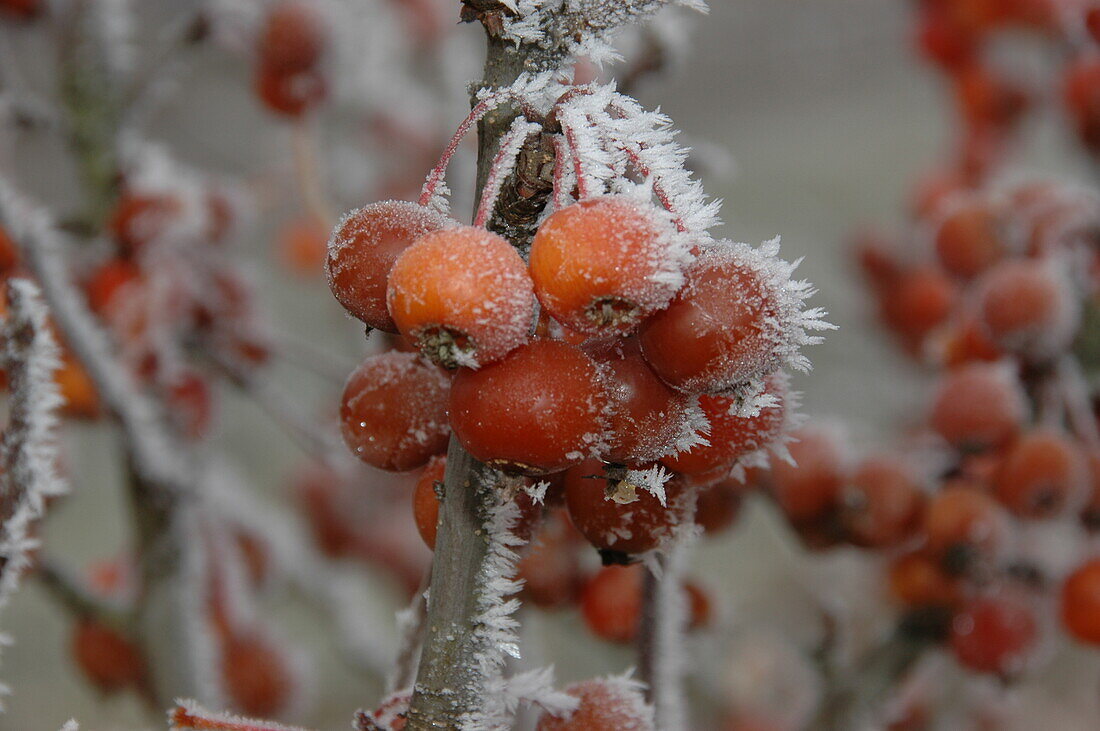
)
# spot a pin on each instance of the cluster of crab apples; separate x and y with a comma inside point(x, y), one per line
point(619, 339)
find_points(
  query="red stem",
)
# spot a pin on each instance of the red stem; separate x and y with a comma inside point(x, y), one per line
point(560, 193)
point(500, 168)
point(482, 108)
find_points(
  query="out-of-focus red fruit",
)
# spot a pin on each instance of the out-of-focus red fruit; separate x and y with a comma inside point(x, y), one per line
point(393, 414)
point(21, 9)
point(603, 265)
point(256, 555)
point(108, 282)
point(191, 404)
point(962, 525)
point(1082, 99)
point(317, 490)
point(290, 94)
point(918, 580)
point(943, 42)
point(611, 526)
point(882, 502)
point(919, 301)
point(258, 679)
point(9, 254)
point(303, 245)
point(1042, 474)
point(605, 703)
point(970, 238)
point(362, 252)
point(717, 506)
point(978, 406)
point(463, 295)
point(968, 342)
point(550, 567)
point(539, 410)
point(77, 389)
point(808, 490)
point(139, 219)
point(1092, 22)
point(611, 602)
point(426, 501)
point(934, 191)
point(994, 635)
point(292, 38)
point(987, 98)
point(1081, 602)
point(1028, 308)
point(1090, 512)
point(109, 660)
point(731, 436)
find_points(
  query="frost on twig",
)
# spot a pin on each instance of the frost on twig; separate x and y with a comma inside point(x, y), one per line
point(581, 27)
point(28, 450)
point(190, 716)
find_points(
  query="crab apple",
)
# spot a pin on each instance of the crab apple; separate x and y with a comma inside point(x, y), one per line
point(732, 436)
point(978, 406)
point(882, 502)
point(139, 219)
point(539, 410)
point(1028, 308)
point(733, 321)
point(77, 389)
point(646, 418)
point(22, 9)
point(970, 238)
point(108, 282)
point(611, 603)
point(463, 295)
point(258, 677)
point(919, 580)
point(967, 341)
point(718, 506)
point(110, 661)
point(290, 94)
point(190, 404)
point(604, 264)
point(621, 528)
point(363, 248)
point(292, 38)
point(426, 501)
point(550, 568)
point(1042, 474)
point(989, 99)
point(807, 489)
point(9, 254)
point(393, 413)
point(605, 703)
point(1081, 602)
point(316, 490)
point(995, 634)
point(962, 525)
point(1082, 99)
point(918, 301)
point(303, 248)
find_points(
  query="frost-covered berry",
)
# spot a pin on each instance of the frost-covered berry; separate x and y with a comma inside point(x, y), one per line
point(1043, 473)
point(738, 318)
point(647, 418)
point(463, 295)
point(995, 634)
point(917, 302)
point(289, 52)
point(110, 661)
point(882, 503)
point(970, 238)
point(426, 501)
point(963, 525)
point(978, 406)
point(604, 264)
point(623, 528)
point(605, 703)
point(539, 410)
point(393, 414)
point(1080, 602)
point(363, 249)
point(730, 435)
point(1028, 307)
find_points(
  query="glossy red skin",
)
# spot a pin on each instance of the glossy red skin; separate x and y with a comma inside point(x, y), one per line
point(426, 501)
point(603, 521)
point(647, 416)
point(977, 407)
point(712, 337)
point(611, 602)
point(1042, 474)
point(378, 419)
point(883, 503)
point(994, 635)
point(718, 506)
point(373, 237)
point(810, 489)
point(531, 412)
point(601, 709)
point(257, 679)
point(110, 661)
point(731, 436)
point(1080, 606)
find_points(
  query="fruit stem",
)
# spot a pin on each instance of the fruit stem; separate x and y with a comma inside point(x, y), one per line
point(503, 164)
point(561, 154)
point(479, 110)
